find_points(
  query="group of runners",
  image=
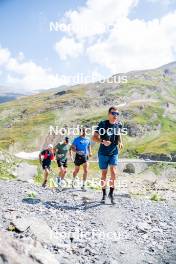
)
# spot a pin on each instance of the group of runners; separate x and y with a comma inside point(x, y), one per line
point(110, 141)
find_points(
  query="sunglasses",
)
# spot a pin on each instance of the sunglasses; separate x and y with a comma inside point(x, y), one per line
point(115, 113)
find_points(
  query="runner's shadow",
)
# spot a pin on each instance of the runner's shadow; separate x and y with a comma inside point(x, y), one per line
point(82, 206)
point(31, 201)
point(123, 195)
point(89, 205)
point(71, 190)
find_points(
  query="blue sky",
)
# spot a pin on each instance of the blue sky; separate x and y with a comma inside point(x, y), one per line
point(33, 57)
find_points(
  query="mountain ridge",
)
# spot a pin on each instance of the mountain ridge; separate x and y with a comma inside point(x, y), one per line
point(146, 102)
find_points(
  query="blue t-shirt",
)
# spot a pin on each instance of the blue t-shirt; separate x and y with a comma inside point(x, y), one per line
point(82, 145)
point(108, 132)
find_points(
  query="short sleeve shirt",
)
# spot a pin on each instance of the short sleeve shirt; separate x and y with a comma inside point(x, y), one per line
point(108, 132)
point(82, 144)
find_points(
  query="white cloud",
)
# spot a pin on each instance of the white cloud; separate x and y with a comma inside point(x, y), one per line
point(162, 2)
point(136, 45)
point(130, 44)
point(27, 75)
point(96, 17)
point(4, 55)
point(68, 47)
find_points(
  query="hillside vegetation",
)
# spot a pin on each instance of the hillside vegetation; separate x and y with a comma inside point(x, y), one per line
point(146, 102)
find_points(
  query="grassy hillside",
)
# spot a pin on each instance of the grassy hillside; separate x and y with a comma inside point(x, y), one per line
point(146, 102)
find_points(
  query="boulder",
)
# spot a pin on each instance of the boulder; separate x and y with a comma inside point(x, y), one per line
point(129, 168)
point(17, 252)
point(173, 155)
point(38, 227)
point(25, 172)
point(20, 224)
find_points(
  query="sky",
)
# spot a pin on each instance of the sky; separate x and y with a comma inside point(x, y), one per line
point(45, 44)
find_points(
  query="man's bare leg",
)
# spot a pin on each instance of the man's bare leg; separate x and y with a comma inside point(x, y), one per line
point(85, 173)
point(46, 173)
point(64, 172)
point(103, 184)
point(75, 172)
point(113, 171)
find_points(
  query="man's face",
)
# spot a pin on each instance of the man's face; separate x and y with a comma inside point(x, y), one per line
point(51, 149)
point(113, 115)
point(83, 132)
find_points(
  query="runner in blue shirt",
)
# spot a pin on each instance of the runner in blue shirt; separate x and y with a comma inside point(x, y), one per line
point(81, 146)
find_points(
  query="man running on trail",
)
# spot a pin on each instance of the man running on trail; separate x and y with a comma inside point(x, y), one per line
point(61, 151)
point(81, 146)
point(45, 158)
point(107, 134)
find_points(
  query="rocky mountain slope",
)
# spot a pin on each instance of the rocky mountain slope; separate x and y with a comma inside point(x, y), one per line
point(146, 102)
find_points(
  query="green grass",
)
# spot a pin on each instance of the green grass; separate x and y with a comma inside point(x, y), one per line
point(164, 143)
point(27, 130)
point(156, 197)
point(31, 116)
point(141, 85)
point(7, 166)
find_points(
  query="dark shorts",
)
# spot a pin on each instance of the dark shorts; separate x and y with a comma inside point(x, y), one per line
point(104, 161)
point(62, 163)
point(46, 164)
point(79, 159)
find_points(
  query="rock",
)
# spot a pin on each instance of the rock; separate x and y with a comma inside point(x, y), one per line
point(144, 227)
point(139, 166)
point(165, 157)
point(20, 224)
point(43, 232)
point(133, 130)
point(38, 227)
point(129, 168)
point(60, 93)
point(16, 252)
point(173, 155)
point(154, 156)
point(25, 172)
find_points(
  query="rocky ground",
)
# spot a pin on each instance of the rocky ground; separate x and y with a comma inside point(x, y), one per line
point(73, 227)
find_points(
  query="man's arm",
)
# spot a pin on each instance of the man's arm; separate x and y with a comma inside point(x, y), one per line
point(90, 150)
point(120, 143)
point(40, 157)
point(72, 149)
point(96, 138)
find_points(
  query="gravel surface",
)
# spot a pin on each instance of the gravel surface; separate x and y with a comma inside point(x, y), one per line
point(74, 227)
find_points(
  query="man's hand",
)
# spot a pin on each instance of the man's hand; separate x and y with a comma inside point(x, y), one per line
point(120, 145)
point(106, 143)
point(90, 154)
